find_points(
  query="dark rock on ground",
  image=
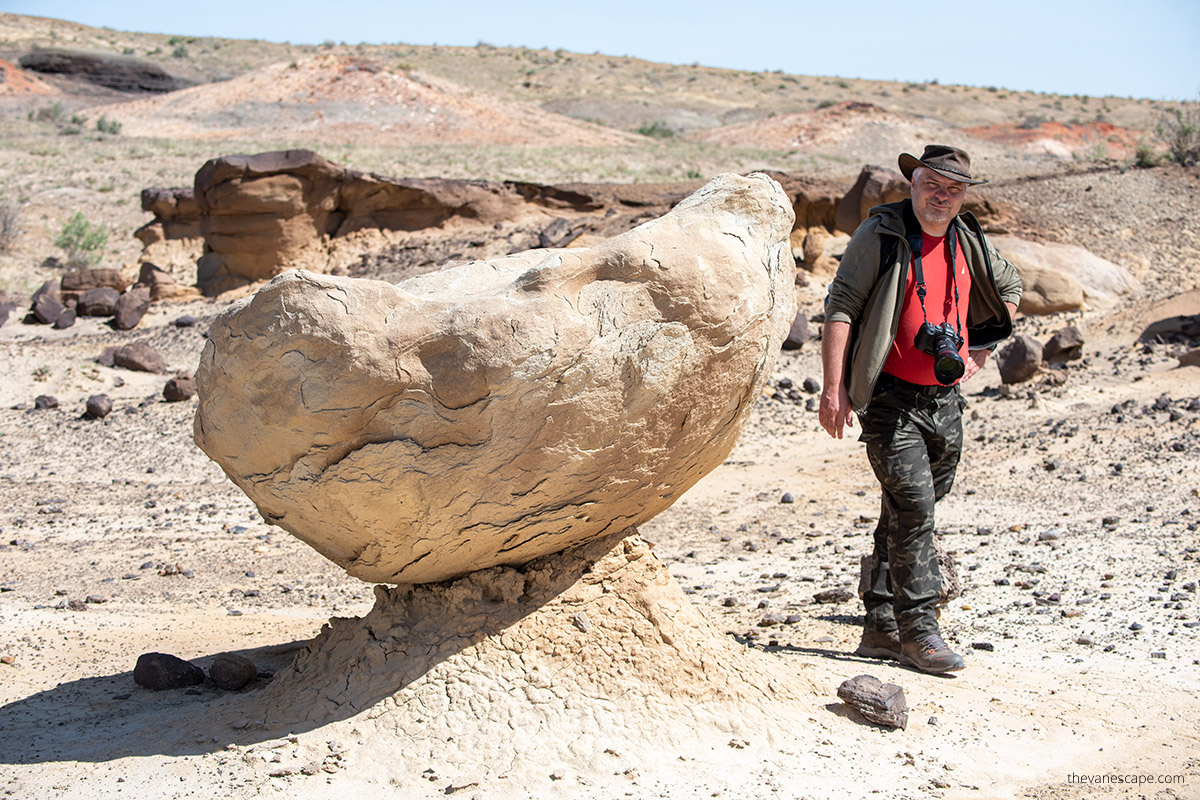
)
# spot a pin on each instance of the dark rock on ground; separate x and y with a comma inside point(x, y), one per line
point(99, 406)
point(44, 401)
point(1065, 345)
point(798, 335)
point(100, 301)
point(47, 303)
point(1020, 359)
point(231, 672)
point(66, 319)
point(139, 356)
point(77, 282)
point(181, 387)
point(131, 307)
point(833, 596)
point(881, 703)
point(160, 671)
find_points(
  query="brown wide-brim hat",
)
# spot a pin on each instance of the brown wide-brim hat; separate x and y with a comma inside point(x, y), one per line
point(947, 161)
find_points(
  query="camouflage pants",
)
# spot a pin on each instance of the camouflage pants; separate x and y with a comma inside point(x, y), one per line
point(914, 440)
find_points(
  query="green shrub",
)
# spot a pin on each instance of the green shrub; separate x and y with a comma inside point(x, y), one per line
point(83, 242)
point(1146, 156)
point(106, 125)
point(179, 52)
point(1179, 130)
point(656, 130)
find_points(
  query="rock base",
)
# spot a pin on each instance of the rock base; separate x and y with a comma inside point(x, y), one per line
point(564, 661)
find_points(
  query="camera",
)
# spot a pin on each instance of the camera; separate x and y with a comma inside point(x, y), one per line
point(942, 342)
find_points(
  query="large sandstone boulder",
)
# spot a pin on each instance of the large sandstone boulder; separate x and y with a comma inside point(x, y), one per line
point(504, 410)
point(1064, 277)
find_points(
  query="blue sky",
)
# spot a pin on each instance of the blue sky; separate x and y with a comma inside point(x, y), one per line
point(1148, 48)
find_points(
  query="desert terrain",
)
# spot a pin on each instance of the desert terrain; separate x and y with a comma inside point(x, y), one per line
point(1074, 519)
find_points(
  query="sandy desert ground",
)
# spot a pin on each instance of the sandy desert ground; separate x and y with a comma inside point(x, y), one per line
point(1074, 522)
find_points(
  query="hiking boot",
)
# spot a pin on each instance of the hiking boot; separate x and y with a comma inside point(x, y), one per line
point(930, 654)
point(879, 644)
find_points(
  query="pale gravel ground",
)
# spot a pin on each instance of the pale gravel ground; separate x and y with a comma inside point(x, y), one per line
point(89, 504)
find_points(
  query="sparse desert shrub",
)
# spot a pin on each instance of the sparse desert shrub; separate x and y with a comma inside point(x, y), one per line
point(51, 113)
point(106, 125)
point(180, 51)
point(1179, 130)
point(83, 242)
point(826, 104)
point(656, 130)
point(1145, 156)
point(1032, 122)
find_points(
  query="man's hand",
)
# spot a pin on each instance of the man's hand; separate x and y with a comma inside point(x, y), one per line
point(975, 361)
point(835, 410)
point(835, 398)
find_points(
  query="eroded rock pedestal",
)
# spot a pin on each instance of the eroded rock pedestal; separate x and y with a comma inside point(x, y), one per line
point(584, 658)
point(502, 410)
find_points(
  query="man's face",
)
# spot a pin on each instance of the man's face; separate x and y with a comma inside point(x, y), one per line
point(936, 200)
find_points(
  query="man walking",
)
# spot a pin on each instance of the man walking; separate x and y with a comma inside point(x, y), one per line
point(919, 302)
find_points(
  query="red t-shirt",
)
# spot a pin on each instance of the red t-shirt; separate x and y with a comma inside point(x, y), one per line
point(905, 361)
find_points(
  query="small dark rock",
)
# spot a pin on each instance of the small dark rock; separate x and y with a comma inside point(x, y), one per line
point(45, 401)
point(1135, 626)
point(987, 647)
point(186, 321)
point(160, 671)
point(131, 307)
point(1065, 345)
point(798, 334)
point(98, 302)
point(139, 356)
point(1019, 360)
point(787, 498)
point(47, 302)
point(231, 672)
point(99, 406)
point(881, 703)
point(65, 320)
point(181, 387)
point(833, 596)
point(811, 385)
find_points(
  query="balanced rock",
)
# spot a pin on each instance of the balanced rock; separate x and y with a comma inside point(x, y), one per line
point(502, 410)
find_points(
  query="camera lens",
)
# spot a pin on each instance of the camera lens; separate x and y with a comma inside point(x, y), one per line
point(948, 366)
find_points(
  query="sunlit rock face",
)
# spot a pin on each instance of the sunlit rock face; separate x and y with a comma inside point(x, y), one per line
point(502, 410)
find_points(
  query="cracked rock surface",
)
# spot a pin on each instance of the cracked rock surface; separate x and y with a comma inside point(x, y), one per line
point(502, 410)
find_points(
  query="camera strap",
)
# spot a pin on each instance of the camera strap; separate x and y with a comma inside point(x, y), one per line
point(915, 240)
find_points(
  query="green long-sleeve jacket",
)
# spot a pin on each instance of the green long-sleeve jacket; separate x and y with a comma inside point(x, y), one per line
point(870, 295)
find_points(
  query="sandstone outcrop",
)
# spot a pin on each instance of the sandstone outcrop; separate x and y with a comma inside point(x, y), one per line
point(1063, 277)
point(499, 411)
